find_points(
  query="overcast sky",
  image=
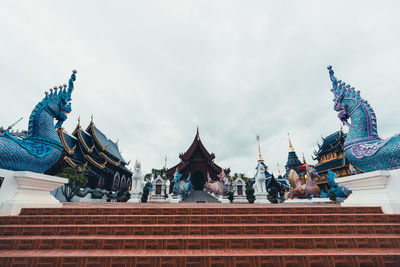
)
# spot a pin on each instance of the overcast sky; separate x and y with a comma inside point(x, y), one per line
point(152, 71)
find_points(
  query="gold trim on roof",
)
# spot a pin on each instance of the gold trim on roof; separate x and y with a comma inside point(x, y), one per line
point(98, 165)
point(87, 148)
point(95, 137)
point(64, 142)
point(115, 163)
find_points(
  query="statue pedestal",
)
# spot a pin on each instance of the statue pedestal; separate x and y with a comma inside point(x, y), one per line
point(25, 189)
point(377, 188)
point(240, 199)
point(174, 198)
point(261, 198)
point(135, 197)
point(224, 199)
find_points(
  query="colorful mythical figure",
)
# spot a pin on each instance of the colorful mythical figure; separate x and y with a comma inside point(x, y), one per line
point(218, 188)
point(339, 190)
point(303, 189)
point(363, 147)
point(41, 148)
point(181, 188)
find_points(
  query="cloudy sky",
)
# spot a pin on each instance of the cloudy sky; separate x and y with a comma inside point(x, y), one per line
point(152, 71)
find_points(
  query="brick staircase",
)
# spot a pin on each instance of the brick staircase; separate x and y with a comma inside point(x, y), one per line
point(200, 234)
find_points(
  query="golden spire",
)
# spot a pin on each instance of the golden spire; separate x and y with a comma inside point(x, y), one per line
point(291, 149)
point(260, 159)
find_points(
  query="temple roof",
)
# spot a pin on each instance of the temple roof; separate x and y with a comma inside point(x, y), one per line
point(106, 144)
point(196, 144)
point(332, 143)
point(186, 157)
point(293, 161)
point(82, 147)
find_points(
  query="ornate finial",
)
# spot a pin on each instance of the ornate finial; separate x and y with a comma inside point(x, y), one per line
point(79, 121)
point(291, 149)
point(165, 163)
point(198, 134)
point(260, 159)
point(91, 118)
point(304, 159)
point(117, 141)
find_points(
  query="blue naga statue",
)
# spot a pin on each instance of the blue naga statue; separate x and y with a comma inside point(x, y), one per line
point(181, 188)
point(339, 190)
point(41, 148)
point(363, 147)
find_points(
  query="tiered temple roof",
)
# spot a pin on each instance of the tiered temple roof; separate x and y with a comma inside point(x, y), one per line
point(108, 169)
point(330, 155)
point(197, 161)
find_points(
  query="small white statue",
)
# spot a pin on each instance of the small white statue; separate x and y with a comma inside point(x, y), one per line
point(137, 179)
point(260, 178)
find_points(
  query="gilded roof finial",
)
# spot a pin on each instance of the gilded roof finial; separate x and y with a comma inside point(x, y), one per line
point(279, 170)
point(291, 149)
point(198, 134)
point(79, 121)
point(304, 159)
point(260, 159)
point(91, 118)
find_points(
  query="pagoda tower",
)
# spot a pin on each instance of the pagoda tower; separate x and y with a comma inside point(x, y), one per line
point(293, 161)
point(197, 162)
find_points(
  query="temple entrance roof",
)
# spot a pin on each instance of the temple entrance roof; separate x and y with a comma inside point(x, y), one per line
point(198, 162)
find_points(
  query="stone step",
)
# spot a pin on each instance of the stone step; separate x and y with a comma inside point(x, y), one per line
point(199, 242)
point(204, 257)
point(195, 208)
point(200, 197)
point(199, 219)
point(202, 229)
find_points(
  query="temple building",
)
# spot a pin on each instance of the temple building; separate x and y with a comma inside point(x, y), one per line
point(293, 161)
point(330, 156)
point(107, 168)
point(197, 162)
